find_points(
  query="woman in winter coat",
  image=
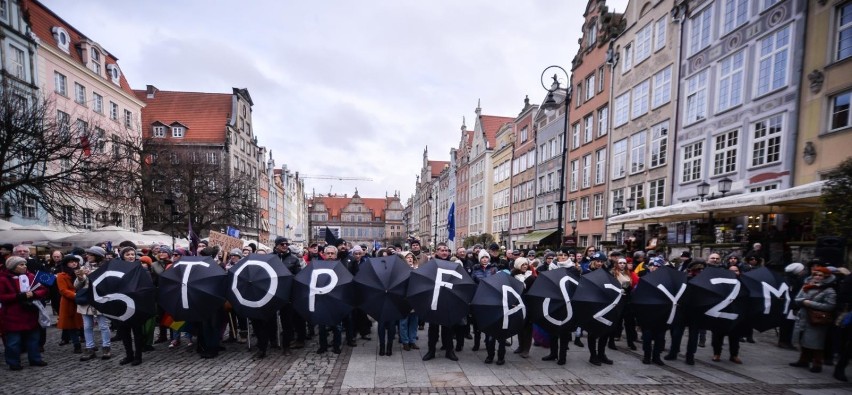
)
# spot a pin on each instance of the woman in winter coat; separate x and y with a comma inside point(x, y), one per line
point(18, 316)
point(70, 321)
point(523, 274)
point(817, 294)
point(94, 258)
point(131, 334)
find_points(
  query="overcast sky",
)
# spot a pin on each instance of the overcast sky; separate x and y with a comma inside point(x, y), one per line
point(345, 88)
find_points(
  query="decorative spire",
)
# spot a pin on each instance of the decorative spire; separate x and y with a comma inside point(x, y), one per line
point(478, 107)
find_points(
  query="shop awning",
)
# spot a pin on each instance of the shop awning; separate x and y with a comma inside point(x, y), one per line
point(627, 218)
point(747, 203)
point(536, 236)
point(801, 198)
point(675, 212)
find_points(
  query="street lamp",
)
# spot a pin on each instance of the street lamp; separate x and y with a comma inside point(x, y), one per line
point(703, 189)
point(725, 185)
point(551, 104)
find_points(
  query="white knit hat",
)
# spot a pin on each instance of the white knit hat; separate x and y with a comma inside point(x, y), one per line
point(794, 268)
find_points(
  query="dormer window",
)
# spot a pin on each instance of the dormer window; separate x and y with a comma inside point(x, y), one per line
point(63, 40)
point(159, 132)
point(96, 61)
point(114, 73)
point(178, 131)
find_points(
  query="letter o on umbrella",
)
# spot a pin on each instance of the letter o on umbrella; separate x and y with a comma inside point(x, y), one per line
point(193, 288)
point(123, 291)
point(323, 292)
point(440, 292)
point(258, 286)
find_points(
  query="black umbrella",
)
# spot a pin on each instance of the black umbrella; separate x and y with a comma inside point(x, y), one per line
point(123, 291)
point(768, 298)
point(658, 298)
point(440, 292)
point(550, 297)
point(498, 307)
point(598, 302)
point(324, 292)
point(714, 300)
point(381, 284)
point(193, 288)
point(258, 286)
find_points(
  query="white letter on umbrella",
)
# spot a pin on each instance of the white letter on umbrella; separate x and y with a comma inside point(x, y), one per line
point(439, 282)
point(716, 311)
point(600, 314)
point(782, 291)
point(509, 311)
point(314, 291)
point(131, 305)
point(565, 297)
point(273, 284)
point(183, 288)
point(673, 298)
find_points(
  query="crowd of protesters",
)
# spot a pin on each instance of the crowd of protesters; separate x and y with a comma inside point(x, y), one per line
point(815, 287)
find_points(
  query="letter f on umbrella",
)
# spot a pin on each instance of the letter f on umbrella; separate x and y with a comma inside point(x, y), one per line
point(439, 282)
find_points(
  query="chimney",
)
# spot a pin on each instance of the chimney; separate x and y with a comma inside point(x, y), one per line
point(150, 90)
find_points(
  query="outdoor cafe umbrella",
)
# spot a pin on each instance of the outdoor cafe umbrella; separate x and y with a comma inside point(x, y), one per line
point(324, 292)
point(258, 286)
point(598, 302)
point(715, 300)
point(31, 235)
point(381, 284)
point(657, 298)
point(193, 288)
point(440, 292)
point(768, 298)
point(123, 291)
point(107, 234)
point(549, 298)
point(498, 307)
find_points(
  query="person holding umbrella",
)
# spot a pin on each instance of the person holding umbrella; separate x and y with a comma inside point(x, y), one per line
point(480, 272)
point(20, 319)
point(408, 324)
point(291, 322)
point(677, 329)
point(131, 333)
point(70, 322)
point(330, 255)
point(817, 294)
point(718, 337)
point(523, 274)
point(598, 342)
point(653, 337)
point(94, 258)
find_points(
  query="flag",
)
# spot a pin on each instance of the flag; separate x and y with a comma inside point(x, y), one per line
point(330, 237)
point(46, 278)
point(451, 223)
point(193, 238)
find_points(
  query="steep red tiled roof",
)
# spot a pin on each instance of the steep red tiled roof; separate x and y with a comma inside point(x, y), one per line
point(336, 204)
point(437, 166)
point(490, 125)
point(42, 20)
point(204, 114)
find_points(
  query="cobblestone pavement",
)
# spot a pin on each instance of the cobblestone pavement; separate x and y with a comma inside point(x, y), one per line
point(360, 370)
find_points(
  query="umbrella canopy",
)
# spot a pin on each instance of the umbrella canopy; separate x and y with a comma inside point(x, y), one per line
point(381, 285)
point(193, 288)
point(598, 302)
point(657, 298)
point(498, 306)
point(549, 299)
point(4, 225)
point(324, 292)
point(123, 291)
point(31, 235)
point(440, 292)
point(112, 234)
point(715, 300)
point(768, 298)
point(258, 286)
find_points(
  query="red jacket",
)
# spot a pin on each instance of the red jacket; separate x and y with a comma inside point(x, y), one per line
point(15, 317)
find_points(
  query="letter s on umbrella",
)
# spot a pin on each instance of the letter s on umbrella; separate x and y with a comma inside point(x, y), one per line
point(131, 305)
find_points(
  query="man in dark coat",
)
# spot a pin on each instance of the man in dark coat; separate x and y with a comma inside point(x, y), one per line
point(291, 322)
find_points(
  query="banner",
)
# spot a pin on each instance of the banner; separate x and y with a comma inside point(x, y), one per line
point(227, 243)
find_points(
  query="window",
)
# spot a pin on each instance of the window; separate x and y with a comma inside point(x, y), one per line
point(636, 193)
point(627, 61)
point(575, 136)
point(622, 105)
point(617, 194)
point(699, 30)
point(60, 84)
point(572, 210)
point(656, 193)
point(736, 14)
point(28, 206)
point(660, 30)
point(772, 62)
point(840, 112)
point(643, 43)
point(590, 87)
point(96, 61)
point(696, 97)
point(769, 187)
point(524, 134)
point(113, 111)
point(575, 168)
point(17, 62)
point(637, 152)
point(82, 127)
point(87, 218)
point(588, 129)
point(659, 143)
point(584, 208)
point(766, 140)
point(159, 131)
point(587, 171)
point(79, 94)
point(598, 207)
point(68, 214)
point(4, 10)
point(691, 159)
point(600, 166)
point(601, 76)
point(579, 94)
point(619, 158)
point(640, 98)
point(731, 81)
point(98, 103)
point(603, 121)
point(844, 31)
point(63, 124)
point(100, 140)
point(662, 87)
point(178, 131)
point(592, 34)
point(584, 240)
point(725, 152)
point(128, 119)
point(768, 3)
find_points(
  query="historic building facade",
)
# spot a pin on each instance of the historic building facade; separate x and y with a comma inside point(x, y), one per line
point(501, 159)
point(523, 176)
point(357, 220)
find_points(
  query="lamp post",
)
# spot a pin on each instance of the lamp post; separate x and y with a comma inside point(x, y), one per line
point(551, 104)
point(704, 188)
point(618, 205)
point(172, 213)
